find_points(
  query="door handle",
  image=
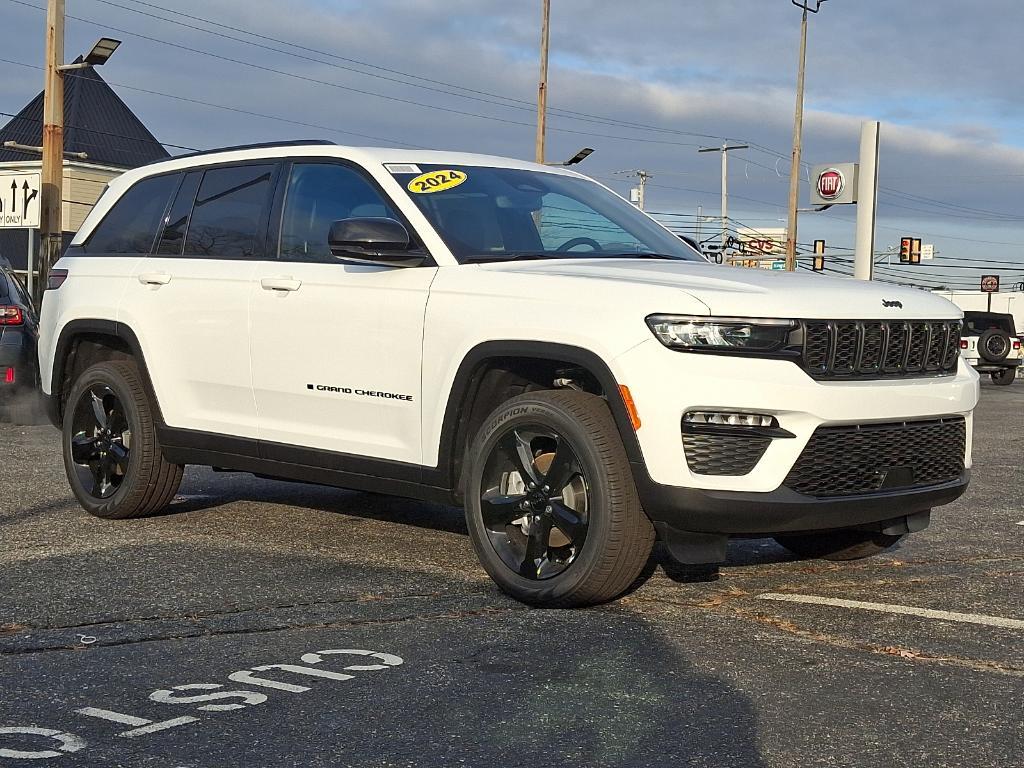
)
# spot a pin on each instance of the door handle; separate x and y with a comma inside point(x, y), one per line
point(280, 284)
point(154, 278)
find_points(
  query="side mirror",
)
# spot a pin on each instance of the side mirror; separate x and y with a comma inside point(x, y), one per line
point(384, 242)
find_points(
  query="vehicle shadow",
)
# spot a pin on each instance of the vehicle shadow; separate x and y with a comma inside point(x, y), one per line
point(485, 681)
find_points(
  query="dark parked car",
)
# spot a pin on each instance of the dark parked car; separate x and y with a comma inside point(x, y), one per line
point(19, 367)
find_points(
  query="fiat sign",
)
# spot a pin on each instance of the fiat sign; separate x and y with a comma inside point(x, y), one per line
point(830, 184)
point(834, 184)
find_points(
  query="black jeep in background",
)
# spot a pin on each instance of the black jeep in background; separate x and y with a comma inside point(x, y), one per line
point(19, 366)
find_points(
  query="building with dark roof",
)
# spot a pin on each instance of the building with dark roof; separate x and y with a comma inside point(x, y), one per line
point(98, 124)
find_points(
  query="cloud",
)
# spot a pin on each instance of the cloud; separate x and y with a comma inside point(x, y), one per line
point(942, 76)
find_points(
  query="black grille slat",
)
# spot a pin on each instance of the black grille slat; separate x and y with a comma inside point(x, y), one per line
point(917, 346)
point(723, 454)
point(872, 349)
point(879, 348)
point(844, 461)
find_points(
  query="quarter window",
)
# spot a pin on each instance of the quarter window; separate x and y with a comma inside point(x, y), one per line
point(318, 195)
point(130, 225)
point(228, 212)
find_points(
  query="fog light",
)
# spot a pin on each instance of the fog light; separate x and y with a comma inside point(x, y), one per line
point(727, 419)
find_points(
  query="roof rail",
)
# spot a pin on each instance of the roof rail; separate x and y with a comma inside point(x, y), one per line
point(260, 145)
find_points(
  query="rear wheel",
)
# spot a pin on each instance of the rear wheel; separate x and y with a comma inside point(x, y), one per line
point(838, 545)
point(112, 456)
point(1004, 377)
point(550, 502)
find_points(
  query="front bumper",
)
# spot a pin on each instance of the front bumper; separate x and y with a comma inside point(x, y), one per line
point(665, 384)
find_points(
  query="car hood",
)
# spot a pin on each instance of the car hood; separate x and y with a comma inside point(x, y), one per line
point(736, 291)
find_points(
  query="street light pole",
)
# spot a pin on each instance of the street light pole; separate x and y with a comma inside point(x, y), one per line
point(798, 129)
point(52, 172)
point(542, 88)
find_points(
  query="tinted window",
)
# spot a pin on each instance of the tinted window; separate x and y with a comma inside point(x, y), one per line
point(130, 226)
point(976, 323)
point(227, 215)
point(318, 195)
point(492, 214)
point(176, 223)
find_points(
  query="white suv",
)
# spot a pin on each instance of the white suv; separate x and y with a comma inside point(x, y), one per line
point(506, 336)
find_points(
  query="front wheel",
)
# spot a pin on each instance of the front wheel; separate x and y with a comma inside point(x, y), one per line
point(838, 545)
point(550, 502)
point(1004, 377)
point(112, 457)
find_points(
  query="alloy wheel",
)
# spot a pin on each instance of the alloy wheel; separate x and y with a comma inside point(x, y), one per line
point(100, 442)
point(535, 501)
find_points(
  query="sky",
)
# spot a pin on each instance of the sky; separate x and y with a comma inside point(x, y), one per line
point(645, 83)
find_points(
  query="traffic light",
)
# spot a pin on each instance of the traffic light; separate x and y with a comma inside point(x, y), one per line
point(819, 255)
point(906, 245)
point(915, 251)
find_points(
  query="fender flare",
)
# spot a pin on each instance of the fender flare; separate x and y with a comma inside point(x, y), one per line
point(473, 363)
point(93, 327)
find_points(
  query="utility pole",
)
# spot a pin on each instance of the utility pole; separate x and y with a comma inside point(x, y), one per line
point(643, 177)
point(52, 182)
point(542, 88)
point(725, 149)
point(798, 130)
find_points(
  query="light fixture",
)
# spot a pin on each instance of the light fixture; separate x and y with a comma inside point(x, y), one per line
point(102, 51)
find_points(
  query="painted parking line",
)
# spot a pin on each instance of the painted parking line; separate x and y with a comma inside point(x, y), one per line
point(905, 610)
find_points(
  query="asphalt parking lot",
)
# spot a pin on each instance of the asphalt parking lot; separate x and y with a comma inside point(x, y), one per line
point(138, 643)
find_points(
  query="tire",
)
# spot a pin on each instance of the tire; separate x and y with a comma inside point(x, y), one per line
point(994, 345)
point(838, 545)
point(117, 473)
point(590, 532)
point(1005, 377)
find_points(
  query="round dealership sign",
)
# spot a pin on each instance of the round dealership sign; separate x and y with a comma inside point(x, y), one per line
point(830, 184)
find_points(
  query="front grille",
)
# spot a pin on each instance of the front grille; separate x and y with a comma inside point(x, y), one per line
point(842, 461)
point(872, 349)
point(723, 454)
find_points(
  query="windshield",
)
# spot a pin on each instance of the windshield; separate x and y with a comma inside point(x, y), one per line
point(500, 214)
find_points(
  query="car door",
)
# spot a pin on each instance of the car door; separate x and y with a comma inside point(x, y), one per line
point(188, 301)
point(336, 345)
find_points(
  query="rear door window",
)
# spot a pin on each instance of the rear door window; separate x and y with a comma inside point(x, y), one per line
point(130, 226)
point(228, 219)
point(172, 239)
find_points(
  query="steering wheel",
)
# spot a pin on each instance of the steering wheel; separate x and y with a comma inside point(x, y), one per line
point(568, 245)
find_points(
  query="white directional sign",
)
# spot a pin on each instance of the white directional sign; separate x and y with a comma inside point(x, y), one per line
point(19, 200)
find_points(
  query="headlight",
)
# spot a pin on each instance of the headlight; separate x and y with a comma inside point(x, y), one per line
point(721, 333)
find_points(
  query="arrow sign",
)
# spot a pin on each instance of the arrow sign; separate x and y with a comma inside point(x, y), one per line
point(27, 198)
point(26, 215)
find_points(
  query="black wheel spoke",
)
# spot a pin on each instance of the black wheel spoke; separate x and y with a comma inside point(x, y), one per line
point(99, 411)
point(562, 469)
point(536, 547)
point(83, 449)
point(518, 450)
point(119, 457)
point(567, 521)
point(500, 509)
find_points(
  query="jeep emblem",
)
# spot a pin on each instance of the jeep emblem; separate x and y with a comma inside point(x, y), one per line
point(897, 304)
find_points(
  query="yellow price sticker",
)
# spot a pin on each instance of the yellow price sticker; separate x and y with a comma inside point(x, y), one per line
point(436, 181)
